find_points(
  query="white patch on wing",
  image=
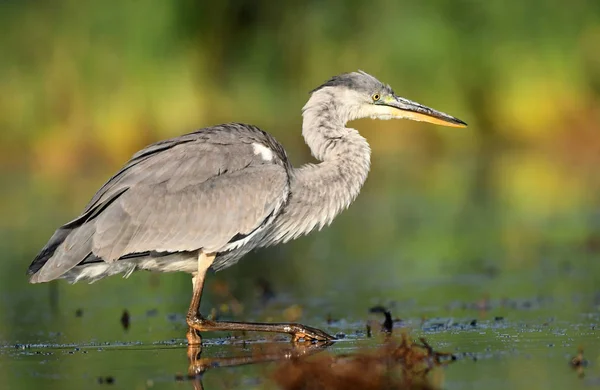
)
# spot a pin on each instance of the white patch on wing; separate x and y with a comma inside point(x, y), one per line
point(265, 153)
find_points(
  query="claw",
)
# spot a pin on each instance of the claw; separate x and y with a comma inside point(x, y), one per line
point(306, 333)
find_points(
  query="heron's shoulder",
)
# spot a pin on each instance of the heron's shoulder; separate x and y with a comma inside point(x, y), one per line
point(237, 134)
point(240, 139)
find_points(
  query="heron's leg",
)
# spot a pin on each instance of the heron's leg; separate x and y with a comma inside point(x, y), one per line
point(204, 262)
point(197, 323)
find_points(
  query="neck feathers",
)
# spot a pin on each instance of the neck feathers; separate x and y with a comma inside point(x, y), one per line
point(319, 192)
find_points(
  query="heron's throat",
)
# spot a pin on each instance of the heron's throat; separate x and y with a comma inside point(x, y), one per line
point(343, 152)
point(324, 125)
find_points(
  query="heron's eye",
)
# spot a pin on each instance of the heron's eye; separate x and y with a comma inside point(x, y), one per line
point(376, 97)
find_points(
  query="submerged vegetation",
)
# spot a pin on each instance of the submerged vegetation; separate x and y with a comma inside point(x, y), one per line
point(397, 364)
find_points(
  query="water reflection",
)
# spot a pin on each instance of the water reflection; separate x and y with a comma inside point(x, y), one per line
point(260, 353)
point(397, 362)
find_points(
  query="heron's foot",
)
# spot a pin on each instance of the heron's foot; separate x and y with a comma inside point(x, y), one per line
point(199, 324)
point(193, 337)
point(306, 333)
point(298, 332)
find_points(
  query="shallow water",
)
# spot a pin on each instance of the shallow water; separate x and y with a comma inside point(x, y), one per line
point(500, 339)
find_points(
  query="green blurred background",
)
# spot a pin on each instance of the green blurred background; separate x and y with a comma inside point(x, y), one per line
point(84, 85)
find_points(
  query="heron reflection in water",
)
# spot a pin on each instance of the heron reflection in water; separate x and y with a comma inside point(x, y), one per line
point(205, 199)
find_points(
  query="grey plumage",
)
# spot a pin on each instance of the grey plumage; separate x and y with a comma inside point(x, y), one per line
point(358, 81)
point(225, 189)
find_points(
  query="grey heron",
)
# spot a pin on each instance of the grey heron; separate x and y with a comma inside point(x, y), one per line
point(205, 199)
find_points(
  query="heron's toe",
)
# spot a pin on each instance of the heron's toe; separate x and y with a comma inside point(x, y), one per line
point(307, 333)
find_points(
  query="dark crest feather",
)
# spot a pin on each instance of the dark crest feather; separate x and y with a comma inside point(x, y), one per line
point(359, 81)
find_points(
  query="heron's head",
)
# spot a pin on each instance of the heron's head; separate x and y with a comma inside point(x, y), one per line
point(359, 95)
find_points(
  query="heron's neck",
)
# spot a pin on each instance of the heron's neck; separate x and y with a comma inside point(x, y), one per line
point(319, 192)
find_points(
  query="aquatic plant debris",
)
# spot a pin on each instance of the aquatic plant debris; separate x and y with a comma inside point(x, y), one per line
point(109, 380)
point(398, 363)
point(125, 319)
point(578, 363)
point(388, 323)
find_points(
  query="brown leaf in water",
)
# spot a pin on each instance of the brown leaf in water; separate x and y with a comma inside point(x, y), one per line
point(398, 364)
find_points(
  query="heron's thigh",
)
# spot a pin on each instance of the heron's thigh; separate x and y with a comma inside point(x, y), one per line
point(205, 260)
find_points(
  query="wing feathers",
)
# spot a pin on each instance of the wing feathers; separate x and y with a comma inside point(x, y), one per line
point(151, 218)
point(197, 191)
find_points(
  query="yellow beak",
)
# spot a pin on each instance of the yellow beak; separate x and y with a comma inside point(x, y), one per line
point(404, 108)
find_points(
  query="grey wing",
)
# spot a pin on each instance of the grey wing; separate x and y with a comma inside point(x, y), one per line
point(181, 197)
point(173, 217)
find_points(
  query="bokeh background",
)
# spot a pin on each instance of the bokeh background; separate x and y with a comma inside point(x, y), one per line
point(84, 85)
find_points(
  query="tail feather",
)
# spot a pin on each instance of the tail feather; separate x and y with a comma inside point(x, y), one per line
point(67, 248)
point(71, 244)
point(48, 250)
